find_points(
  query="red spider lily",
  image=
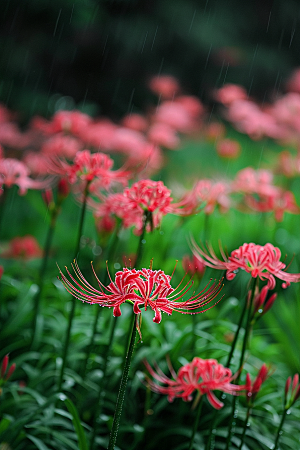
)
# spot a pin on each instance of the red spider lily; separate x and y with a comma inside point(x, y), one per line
point(201, 375)
point(252, 389)
point(89, 167)
point(132, 204)
point(261, 261)
point(146, 287)
point(228, 148)
point(291, 393)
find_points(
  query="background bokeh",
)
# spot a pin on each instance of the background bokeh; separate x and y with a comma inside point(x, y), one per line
point(98, 55)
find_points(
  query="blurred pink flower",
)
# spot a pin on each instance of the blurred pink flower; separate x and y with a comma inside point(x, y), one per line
point(135, 122)
point(214, 131)
point(193, 266)
point(230, 93)
point(73, 122)
point(25, 247)
point(201, 375)
point(4, 373)
point(163, 135)
point(228, 148)
point(61, 145)
point(175, 115)
point(293, 83)
point(13, 171)
point(165, 86)
point(260, 261)
point(142, 288)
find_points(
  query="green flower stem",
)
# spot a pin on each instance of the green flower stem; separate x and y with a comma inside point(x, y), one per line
point(245, 427)
point(206, 228)
point(72, 311)
point(279, 429)
point(101, 387)
point(43, 269)
point(245, 342)
point(228, 362)
point(196, 423)
point(122, 388)
point(139, 253)
point(3, 201)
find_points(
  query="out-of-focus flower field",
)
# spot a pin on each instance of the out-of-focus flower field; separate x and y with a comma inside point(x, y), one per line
point(177, 196)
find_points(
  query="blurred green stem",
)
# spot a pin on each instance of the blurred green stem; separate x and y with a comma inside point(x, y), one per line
point(122, 388)
point(101, 387)
point(43, 269)
point(242, 357)
point(196, 423)
point(279, 429)
point(245, 427)
point(73, 304)
point(139, 253)
point(228, 362)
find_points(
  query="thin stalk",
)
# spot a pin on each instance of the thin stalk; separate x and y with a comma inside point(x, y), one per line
point(228, 362)
point(139, 253)
point(72, 311)
point(101, 387)
point(3, 201)
point(279, 429)
point(122, 388)
point(242, 357)
point(196, 423)
point(43, 268)
point(245, 427)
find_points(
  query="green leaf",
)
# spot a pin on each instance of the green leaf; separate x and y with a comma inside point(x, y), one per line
point(77, 425)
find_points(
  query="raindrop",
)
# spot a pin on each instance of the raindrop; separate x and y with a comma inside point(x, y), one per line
point(97, 250)
point(288, 411)
point(143, 241)
point(57, 20)
point(117, 266)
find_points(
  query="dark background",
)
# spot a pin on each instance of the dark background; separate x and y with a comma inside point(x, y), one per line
point(98, 55)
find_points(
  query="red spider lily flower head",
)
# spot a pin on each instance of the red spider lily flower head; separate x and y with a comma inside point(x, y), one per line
point(193, 266)
point(89, 167)
point(144, 196)
point(201, 375)
point(1, 271)
point(228, 148)
point(213, 194)
point(292, 391)
point(13, 171)
point(261, 261)
point(165, 86)
point(261, 303)
point(142, 288)
point(252, 389)
point(25, 248)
